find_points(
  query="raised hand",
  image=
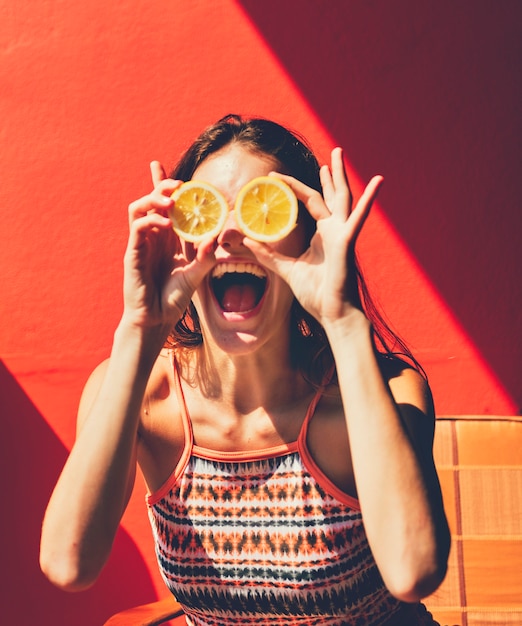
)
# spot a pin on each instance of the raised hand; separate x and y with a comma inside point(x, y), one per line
point(158, 279)
point(320, 278)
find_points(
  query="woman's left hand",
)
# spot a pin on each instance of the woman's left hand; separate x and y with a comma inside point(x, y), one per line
point(320, 278)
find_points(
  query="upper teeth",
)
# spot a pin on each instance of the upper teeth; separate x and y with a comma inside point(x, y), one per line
point(238, 268)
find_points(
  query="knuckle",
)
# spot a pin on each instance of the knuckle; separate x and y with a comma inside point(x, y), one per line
point(138, 208)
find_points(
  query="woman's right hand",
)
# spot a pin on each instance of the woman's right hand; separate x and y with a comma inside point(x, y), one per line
point(158, 279)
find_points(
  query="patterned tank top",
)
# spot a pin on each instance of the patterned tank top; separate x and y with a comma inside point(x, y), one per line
point(265, 538)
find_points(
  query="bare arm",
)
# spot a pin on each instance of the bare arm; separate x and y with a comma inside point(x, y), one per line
point(389, 419)
point(93, 490)
point(94, 487)
point(390, 428)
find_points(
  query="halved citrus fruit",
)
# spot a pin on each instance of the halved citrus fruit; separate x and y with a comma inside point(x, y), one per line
point(199, 211)
point(266, 209)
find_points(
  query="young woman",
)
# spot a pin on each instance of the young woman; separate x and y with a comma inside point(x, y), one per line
point(285, 446)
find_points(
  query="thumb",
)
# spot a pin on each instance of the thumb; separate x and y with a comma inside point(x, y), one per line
point(202, 263)
point(276, 262)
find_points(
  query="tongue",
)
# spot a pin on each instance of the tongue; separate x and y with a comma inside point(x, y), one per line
point(239, 298)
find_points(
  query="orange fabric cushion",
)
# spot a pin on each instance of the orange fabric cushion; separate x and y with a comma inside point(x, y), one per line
point(479, 460)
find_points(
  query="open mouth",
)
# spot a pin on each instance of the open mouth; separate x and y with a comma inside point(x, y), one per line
point(238, 287)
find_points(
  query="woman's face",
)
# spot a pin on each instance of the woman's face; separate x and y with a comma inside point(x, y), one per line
point(241, 304)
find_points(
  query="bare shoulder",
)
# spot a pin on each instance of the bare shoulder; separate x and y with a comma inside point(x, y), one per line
point(90, 391)
point(408, 385)
point(161, 377)
point(161, 433)
point(328, 441)
point(157, 386)
point(412, 395)
point(160, 396)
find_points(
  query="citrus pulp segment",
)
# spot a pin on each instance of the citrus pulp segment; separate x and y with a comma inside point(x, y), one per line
point(200, 211)
point(266, 209)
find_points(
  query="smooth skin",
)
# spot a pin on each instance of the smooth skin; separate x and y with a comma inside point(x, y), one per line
point(371, 435)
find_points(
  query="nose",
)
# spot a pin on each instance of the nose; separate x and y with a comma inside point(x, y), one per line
point(230, 235)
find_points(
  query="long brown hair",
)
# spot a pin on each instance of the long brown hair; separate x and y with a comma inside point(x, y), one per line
point(310, 350)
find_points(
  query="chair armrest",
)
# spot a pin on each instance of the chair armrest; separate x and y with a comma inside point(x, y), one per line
point(151, 614)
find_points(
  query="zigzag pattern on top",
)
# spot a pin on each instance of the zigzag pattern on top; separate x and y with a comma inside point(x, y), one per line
point(241, 543)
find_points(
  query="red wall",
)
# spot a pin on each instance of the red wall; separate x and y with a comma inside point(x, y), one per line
point(427, 94)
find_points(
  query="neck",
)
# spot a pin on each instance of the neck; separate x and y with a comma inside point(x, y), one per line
point(245, 381)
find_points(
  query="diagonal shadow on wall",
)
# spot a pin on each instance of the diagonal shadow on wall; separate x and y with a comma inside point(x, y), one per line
point(31, 457)
point(428, 94)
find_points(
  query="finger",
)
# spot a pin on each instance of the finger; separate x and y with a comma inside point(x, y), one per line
point(159, 200)
point(145, 226)
point(340, 179)
point(201, 249)
point(153, 203)
point(206, 249)
point(268, 257)
point(200, 264)
point(167, 186)
point(311, 198)
point(157, 172)
point(342, 205)
point(327, 184)
point(365, 203)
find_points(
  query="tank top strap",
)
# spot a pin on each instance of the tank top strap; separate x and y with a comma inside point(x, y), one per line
point(311, 408)
point(155, 496)
point(185, 419)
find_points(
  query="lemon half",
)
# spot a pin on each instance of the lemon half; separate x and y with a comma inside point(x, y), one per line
point(266, 209)
point(199, 212)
